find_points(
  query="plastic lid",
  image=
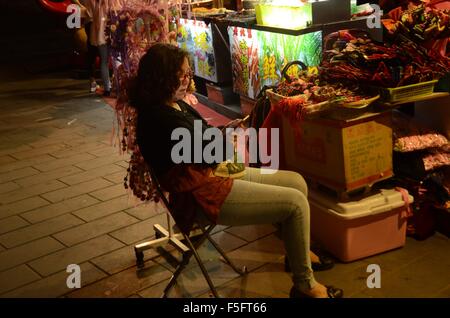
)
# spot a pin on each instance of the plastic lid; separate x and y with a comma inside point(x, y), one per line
point(383, 201)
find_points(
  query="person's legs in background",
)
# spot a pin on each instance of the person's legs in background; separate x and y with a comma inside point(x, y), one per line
point(104, 68)
point(91, 56)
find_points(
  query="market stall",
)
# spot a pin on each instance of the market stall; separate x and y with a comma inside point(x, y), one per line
point(336, 127)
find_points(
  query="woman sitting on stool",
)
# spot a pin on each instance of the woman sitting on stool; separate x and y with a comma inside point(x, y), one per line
point(279, 198)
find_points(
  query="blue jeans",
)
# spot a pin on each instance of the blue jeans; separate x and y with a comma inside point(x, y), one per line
point(104, 66)
point(280, 199)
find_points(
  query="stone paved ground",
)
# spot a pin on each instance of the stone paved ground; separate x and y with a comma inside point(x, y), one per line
point(62, 202)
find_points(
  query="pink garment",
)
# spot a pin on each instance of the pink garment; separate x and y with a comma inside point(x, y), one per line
point(97, 12)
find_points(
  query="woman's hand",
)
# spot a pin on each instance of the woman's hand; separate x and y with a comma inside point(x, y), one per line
point(236, 123)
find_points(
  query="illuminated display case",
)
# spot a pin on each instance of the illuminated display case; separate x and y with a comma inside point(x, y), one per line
point(258, 56)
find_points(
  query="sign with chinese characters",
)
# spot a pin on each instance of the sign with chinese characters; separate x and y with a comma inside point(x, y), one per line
point(196, 38)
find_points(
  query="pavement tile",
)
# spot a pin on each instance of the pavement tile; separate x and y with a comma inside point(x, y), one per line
point(39, 160)
point(118, 260)
point(191, 282)
point(26, 192)
point(58, 163)
point(6, 159)
point(72, 150)
point(77, 254)
point(56, 285)
point(267, 281)
point(6, 150)
point(147, 210)
point(38, 230)
point(8, 187)
point(36, 152)
point(18, 174)
point(125, 283)
point(56, 209)
point(123, 163)
point(104, 151)
point(443, 293)
point(106, 208)
point(115, 177)
point(16, 277)
point(90, 174)
point(154, 291)
point(27, 252)
point(63, 133)
point(269, 249)
point(81, 141)
point(251, 232)
point(398, 258)
point(108, 193)
point(12, 223)
point(76, 190)
point(100, 161)
point(227, 241)
point(21, 206)
point(138, 231)
point(434, 270)
point(95, 228)
point(48, 176)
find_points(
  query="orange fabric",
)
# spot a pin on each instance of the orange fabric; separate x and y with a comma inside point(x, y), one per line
point(191, 186)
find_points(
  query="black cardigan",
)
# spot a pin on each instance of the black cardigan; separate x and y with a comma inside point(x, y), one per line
point(154, 130)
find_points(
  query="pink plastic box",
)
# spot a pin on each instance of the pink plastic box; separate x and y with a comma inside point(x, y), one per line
point(357, 229)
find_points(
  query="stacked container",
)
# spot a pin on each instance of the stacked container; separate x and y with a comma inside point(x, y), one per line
point(360, 228)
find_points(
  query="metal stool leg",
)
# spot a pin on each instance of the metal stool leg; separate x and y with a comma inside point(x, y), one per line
point(186, 257)
point(227, 259)
point(203, 268)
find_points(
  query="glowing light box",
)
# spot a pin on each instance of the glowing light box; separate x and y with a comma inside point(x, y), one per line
point(284, 16)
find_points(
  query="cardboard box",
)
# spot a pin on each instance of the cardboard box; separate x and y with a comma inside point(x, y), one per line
point(340, 154)
point(354, 230)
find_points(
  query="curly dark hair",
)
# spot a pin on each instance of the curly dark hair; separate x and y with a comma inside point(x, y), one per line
point(158, 76)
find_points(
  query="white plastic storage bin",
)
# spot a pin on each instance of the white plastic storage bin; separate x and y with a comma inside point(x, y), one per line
point(357, 229)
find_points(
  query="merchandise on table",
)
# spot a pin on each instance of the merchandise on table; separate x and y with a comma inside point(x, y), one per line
point(420, 23)
point(353, 56)
point(418, 164)
point(431, 196)
point(437, 158)
point(411, 136)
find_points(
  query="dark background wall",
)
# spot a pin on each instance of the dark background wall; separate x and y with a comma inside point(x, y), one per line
point(27, 31)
